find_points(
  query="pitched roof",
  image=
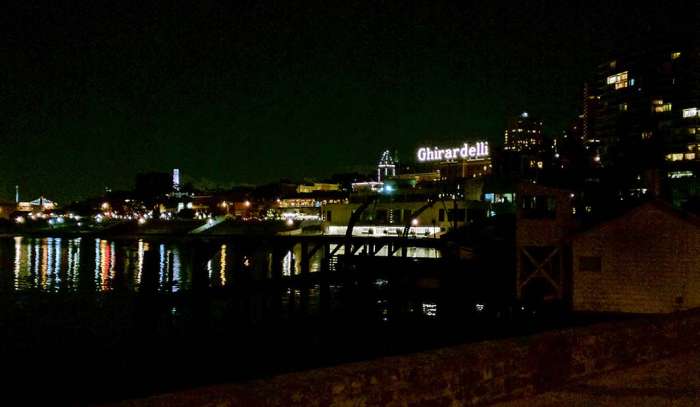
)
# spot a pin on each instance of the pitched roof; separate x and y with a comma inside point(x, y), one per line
point(655, 204)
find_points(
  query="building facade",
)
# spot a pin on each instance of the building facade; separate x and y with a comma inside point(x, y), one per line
point(317, 186)
point(40, 204)
point(645, 261)
point(647, 120)
point(453, 164)
point(390, 218)
point(523, 133)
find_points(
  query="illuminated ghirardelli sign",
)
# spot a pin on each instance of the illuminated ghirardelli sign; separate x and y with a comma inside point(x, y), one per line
point(473, 151)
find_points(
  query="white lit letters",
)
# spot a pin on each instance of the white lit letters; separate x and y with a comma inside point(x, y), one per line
point(467, 151)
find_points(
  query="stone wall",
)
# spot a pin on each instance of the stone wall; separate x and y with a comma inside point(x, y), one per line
point(471, 374)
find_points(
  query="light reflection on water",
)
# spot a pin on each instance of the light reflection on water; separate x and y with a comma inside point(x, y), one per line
point(288, 264)
point(55, 264)
point(222, 265)
point(139, 263)
point(100, 265)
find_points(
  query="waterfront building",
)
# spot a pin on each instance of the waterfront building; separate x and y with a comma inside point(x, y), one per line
point(439, 192)
point(392, 218)
point(198, 206)
point(307, 206)
point(317, 186)
point(452, 163)
point(40, 204)
point(239, 209)
point(639, 259)
point(366, 186)
point(645, 261)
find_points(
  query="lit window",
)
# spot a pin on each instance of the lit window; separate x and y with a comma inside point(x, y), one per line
point(623, 107)
point(691, 112)
point(689, 156)
point(659, 106)
point(675, 55)
point(618, 80)
point(674, 157)
point(646, 135)
point(613, 64)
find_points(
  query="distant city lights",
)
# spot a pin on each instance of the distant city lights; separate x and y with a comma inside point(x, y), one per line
point(429, 309)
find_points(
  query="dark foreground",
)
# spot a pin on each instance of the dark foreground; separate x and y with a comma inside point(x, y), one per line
point(624, 362)
point(93, 321)
point(668, 382)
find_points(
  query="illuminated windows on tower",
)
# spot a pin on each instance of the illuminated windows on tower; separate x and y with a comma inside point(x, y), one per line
point(176, 179)
point(620, 80)
point(523, 134)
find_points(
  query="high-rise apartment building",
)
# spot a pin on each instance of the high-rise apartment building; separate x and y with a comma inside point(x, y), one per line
point(647, 115)
point(523, 134)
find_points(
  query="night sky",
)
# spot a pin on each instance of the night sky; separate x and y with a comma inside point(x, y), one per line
point(256, 92)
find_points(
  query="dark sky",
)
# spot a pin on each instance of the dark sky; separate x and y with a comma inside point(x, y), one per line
point(258, 91)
